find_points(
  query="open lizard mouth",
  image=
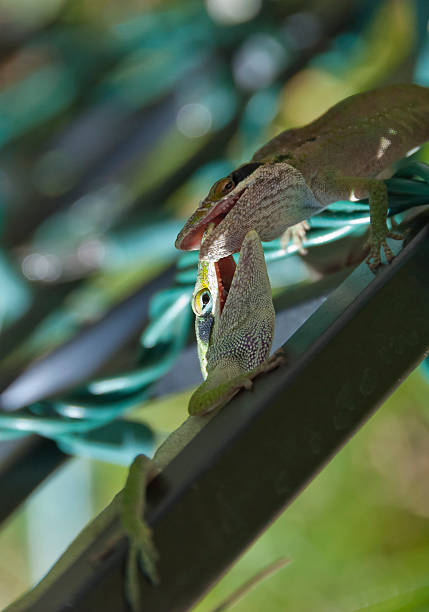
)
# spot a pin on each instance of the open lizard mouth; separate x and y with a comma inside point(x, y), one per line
point(190, 237)
point(225, 270)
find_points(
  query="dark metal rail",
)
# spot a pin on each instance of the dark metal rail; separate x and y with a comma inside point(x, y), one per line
point(255, 456)
point(24, 464)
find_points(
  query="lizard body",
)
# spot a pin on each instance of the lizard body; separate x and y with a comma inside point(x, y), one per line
point(235, 325)
point(300, 171)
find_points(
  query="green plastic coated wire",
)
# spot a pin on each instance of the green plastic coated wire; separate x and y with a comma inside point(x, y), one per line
point(82, 420)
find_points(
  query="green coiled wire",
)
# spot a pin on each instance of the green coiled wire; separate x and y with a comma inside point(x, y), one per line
point(81, 420)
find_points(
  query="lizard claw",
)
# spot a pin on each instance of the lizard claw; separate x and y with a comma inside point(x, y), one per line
point(295, 234)
point(276, 359)
point(396, 235)
point(375, 244)
point(273, 362)
point(141, 552)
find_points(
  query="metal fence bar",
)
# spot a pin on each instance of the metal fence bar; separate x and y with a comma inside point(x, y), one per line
point(24, 464)
point(255, 456)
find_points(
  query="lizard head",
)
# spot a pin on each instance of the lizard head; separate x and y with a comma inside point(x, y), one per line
point(221, 198)
point(234, 322)
point(266, 197)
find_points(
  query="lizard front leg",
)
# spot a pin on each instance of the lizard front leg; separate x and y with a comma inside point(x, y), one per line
point(336, 187)
point(219, 388)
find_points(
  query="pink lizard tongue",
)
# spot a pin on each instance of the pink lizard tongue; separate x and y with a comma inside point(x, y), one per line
point(225, 270)
point(190, 239)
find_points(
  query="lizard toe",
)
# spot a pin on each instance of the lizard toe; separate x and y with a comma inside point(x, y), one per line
point(388, 252)
point(395, 235)
point(295, 234)
point(373, 260)
point(247, 384)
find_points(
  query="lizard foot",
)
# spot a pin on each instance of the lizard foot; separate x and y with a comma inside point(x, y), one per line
point(142, 551)
point(212, 394)
point(295, 234)
point(273, 362)
point(376, 244)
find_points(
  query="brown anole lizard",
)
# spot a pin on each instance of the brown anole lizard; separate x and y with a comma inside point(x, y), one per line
point(300, 171)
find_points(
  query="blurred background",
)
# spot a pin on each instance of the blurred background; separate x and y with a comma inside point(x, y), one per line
point(115, 119)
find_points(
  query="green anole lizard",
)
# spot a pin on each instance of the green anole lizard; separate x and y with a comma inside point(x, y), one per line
point(234, 326)
point(300, 171)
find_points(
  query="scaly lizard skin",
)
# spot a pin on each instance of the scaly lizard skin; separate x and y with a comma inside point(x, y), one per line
point(301, 171)
point(234, 326)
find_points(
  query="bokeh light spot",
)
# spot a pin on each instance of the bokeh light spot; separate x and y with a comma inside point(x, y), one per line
point(194, 120)
point(233, 11)
point(257, 63)
point(41, 267)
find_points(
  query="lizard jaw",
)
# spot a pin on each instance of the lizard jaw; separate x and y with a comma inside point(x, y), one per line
point(189, 238)
point(225, 270)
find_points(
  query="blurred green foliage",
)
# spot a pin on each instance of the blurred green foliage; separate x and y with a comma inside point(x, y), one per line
point(115, 118)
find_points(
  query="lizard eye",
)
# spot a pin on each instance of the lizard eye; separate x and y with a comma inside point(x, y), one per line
point(202, 304)
point(221, 188)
